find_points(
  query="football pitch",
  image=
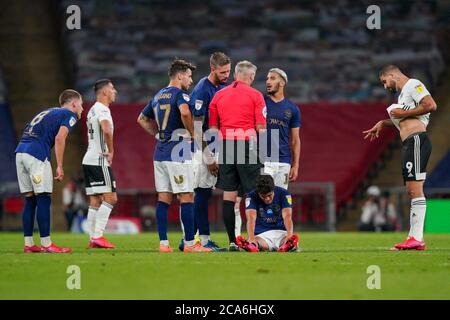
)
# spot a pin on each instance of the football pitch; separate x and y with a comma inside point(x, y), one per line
point(330, 266)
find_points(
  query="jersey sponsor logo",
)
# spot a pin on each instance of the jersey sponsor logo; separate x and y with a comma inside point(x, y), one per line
point(198, 104)
point(36, 179)
point(264, 112)
point(277, 122)
point(419, 88)
point(186, 97)
point(247, 202)
point(97, 183)
point(179, 179)
point(289, 199)
point(72, 121)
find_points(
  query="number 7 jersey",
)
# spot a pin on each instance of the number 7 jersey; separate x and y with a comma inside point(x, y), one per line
point(165, 109)
point(96, 139)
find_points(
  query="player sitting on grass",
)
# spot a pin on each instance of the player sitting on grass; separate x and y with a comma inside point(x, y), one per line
point(269, 219)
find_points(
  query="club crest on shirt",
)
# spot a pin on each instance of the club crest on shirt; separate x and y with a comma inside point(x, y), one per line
point(179, 179)
point(72, 121)
point(288, 114)
point(276, 207)
point(186, 97)
point(198, 104)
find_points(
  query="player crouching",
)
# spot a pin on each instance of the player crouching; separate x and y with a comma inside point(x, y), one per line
point(269, 219)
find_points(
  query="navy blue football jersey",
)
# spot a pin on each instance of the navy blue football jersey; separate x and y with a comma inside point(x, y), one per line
point(38, 137)
point(165, 109)
point(269, 216)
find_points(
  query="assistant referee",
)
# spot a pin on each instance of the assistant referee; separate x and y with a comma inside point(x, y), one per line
point(239, 112)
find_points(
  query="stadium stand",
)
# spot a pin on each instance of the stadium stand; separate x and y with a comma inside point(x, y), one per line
point(327, 51)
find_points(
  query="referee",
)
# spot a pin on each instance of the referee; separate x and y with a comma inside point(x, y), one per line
point(239, 112)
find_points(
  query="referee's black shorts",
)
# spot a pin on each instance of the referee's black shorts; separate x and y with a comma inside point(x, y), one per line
point(239, 165)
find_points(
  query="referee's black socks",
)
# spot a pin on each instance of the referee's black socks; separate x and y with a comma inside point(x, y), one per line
point(229, 219)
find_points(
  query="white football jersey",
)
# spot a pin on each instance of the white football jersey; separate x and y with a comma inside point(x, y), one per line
point(96, 139)
point(412, 93)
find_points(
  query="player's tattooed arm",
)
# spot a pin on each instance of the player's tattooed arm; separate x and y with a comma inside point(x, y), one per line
point(198, 130)
point(287, 219)
point(374, 132)
point(148, 125)
point(426, 105)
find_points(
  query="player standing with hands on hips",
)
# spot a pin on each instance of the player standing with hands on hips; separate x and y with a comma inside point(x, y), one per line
point(410, 116)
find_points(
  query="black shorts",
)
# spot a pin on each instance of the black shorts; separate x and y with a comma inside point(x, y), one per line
point(99, 179)
point(238, 170)
point(416, 151)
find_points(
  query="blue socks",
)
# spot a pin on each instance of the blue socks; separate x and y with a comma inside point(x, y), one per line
point(202, 196)
point(29, 213)
point(187, 218)
point(43, 213)
point(162, 211)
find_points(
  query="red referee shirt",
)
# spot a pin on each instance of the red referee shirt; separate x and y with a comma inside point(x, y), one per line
point(237, 106)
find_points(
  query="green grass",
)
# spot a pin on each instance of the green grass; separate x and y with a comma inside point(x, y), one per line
point(331, 266)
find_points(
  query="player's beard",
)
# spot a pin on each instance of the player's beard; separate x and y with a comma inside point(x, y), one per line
point(274, 90)
point(392, 87)
point(218, 81)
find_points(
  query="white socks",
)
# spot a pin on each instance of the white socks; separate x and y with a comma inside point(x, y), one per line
point(204, 239)
point(46, 241)
point(164, 243)
point(189, 243)
point(91, 220)
point(101, 218)
point(417, 218)
point(29, 242)
point(238, 223)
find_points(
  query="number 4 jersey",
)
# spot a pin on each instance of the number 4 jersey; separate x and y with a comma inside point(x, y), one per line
point(96, 139)
point(39, 134)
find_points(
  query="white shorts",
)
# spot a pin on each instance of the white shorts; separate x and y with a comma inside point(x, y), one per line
point(174, 177)
point(273, 238)
point(202, 177)
point(279, 172)
point(33, 174)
